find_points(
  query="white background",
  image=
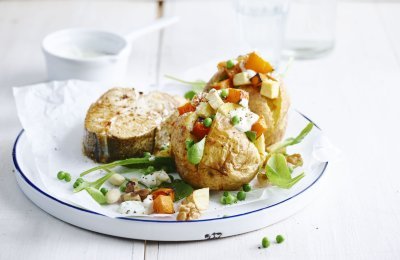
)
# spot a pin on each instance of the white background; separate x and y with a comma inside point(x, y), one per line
point(352, 94)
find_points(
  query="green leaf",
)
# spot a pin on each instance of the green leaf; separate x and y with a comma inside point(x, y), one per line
point(291, 141)
point(279, 173)
point(181, 188)
point(97, 195)
point(139, 163)
point(189, 143)
point(96, 184)
point(279, 164)
point(251, 135)
point(195, 152)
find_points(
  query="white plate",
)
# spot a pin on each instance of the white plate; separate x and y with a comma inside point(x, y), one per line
point(279, 204)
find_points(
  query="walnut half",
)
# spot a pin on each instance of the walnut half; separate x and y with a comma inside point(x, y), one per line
point(188, 211)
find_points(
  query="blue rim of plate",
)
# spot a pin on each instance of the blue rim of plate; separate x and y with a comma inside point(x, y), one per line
point(17, 167)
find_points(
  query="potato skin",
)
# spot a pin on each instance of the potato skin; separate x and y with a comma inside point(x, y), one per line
point(275, 111)
point(229, 160)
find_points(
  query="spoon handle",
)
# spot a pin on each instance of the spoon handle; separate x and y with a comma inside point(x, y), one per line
point(152, 26)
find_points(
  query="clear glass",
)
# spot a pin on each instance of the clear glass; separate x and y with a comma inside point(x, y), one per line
point(262, 25)
point(310, 30)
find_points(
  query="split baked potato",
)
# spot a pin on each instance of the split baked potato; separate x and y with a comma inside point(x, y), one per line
point(218, 142)
point(268, 95)
point(125, 123)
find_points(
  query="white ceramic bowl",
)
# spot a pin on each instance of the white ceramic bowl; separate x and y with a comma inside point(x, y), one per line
point(86, 54)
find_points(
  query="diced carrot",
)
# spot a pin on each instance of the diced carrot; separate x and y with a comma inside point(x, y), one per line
point(227, 83)
point(200, 130)
point(260, 126)
point(188, 107)
point(235, 95)
point(258, 64)
point(165, 192)
point(163, 205)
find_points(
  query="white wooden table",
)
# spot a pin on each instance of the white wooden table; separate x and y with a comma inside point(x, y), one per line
point(352, 94)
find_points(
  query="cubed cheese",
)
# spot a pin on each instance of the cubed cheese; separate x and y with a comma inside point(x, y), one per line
point(251, 73)
point(214, 99)
point(270, 88)
point(204, 110)
point(241, 79)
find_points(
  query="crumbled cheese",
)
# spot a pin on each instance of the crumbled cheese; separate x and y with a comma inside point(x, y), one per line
point(132, 207)
point(155, 178)
point(137, 207)
point(148, 204)
point(247, 118)
point(244, 102)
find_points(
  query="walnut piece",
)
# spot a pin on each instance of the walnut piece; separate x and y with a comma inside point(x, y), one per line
point(131, 196)
point(188, 211)
point(130, 186)
point(295, 159)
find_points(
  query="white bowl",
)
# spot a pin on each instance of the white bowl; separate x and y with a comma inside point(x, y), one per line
point(86, 54)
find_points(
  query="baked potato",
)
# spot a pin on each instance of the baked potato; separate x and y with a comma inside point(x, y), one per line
point(228, 150)
point(267, 94)
point(124, 123)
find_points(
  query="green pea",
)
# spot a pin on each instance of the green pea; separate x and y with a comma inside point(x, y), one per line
point(104, 191)
point(235, 120)
point(150, 169)
point(222, 200)
point(224, 93)
point(229, 199)
point(241, 195)
point(230, 64)
point(67, 177)
point(265, 242)
point(76, 184)
point(61, 175)
point(146, 155)
point(190, 94)
point(279, 239)
point(207, 122)
point(247, 187)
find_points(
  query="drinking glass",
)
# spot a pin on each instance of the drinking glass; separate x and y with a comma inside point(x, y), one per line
point(310, 29)
point(262, 25)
